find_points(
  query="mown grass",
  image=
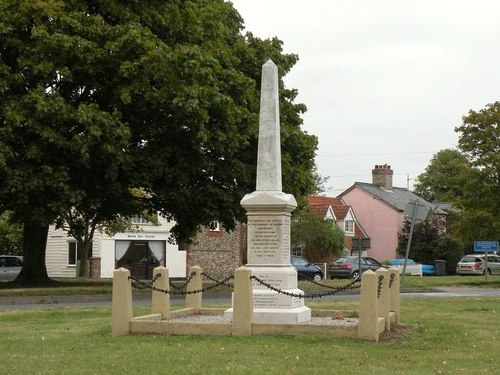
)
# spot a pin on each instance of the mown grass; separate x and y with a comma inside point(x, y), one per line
point(443, 336)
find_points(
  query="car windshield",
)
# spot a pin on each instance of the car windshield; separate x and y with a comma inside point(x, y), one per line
point(470, 259)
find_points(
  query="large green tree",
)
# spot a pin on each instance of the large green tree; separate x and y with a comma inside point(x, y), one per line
point(98, 97)
point(479, 139)
point(442, 179)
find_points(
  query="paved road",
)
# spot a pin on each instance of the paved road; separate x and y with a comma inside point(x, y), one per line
point(104, 301)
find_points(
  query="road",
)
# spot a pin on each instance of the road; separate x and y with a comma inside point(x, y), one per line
point(104, 301)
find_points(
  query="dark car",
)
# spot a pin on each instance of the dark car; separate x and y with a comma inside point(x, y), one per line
point(10, 266)
point(348, 267)
point(306, 270)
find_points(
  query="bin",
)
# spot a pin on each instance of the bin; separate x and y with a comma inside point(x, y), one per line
point(440, 267)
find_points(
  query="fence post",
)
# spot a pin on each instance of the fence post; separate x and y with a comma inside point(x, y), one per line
point(368, 314)
point(394, 285)
point(193, 300)
point(242, 302)
point(121, 305)
point(383, 299)
point(160, 301)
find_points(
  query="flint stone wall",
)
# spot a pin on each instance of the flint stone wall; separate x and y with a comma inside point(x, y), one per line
point(218, 253)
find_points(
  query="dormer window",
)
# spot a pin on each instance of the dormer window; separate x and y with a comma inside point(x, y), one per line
point(140, 220)
point(349, 226)
point(214, 226)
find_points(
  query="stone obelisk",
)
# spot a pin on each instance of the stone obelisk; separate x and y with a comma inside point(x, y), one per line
point(268, 216)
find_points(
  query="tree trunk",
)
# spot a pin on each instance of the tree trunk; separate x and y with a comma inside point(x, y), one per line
point(34, 270)
point(83, 258)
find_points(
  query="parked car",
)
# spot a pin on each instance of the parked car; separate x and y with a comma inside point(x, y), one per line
point(475, 264)
point(348, 267)
point(306, 270)
point(10, 266)
point(427, 269)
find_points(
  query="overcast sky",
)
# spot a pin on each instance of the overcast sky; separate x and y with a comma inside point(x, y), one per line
point(384, 81)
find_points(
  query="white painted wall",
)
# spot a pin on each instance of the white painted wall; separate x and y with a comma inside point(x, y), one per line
point(103, 246)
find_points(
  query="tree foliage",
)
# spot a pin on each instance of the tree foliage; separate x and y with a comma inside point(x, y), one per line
point(11, 235)
point(428, 245)
point(442, 179)
point(98, 97)
point(318, 239)
point(479, 139)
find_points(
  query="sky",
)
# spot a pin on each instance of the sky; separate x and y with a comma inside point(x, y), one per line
point(386, 81)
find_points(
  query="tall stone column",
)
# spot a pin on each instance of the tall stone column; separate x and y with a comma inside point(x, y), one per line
point(268, 216)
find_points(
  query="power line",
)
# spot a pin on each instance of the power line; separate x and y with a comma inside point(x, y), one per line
point(375, 154)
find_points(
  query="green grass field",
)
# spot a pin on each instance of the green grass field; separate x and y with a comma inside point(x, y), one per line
point(438, 336)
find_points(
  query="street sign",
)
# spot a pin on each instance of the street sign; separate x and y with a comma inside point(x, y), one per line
point(415, 212)
point(363, 243)
point(486, 246)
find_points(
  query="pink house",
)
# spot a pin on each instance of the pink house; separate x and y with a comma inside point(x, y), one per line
point(379, 206)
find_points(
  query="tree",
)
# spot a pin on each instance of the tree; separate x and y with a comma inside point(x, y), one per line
point(479, 139)
point(318, 239)
point(98, 97)
point(428, 244)
point(10, 235)
point(441, 181)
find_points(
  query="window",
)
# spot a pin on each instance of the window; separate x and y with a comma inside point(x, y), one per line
point(349, 226)
point(138, 219)
point(74, 251)
point(214, 226)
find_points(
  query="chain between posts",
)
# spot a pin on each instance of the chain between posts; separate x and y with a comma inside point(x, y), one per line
point(184, 284)
point(139, 284)
point(352, 285)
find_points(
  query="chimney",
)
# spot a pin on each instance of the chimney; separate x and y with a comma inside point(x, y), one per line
point(382, 176)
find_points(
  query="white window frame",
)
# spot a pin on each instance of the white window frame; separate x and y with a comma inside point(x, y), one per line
point(349, 226)
point(75, 250)
point(214, 226)
point(140, 220)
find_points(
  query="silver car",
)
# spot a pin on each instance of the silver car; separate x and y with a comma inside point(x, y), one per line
point(475, 264)
point(10, 266)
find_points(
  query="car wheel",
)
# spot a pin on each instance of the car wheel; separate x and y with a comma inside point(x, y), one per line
point(317, 277)
point(355, 275)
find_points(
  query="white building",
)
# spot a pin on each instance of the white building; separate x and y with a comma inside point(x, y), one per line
point(139, 251)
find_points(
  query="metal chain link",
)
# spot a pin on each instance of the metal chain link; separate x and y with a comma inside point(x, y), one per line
point(184, 284)
point(352, 285)
point(139, 284)
point(379, 286)
point(391, 279)
point(223, 282)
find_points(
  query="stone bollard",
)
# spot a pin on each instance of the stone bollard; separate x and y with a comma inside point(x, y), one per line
point(394, 285)
point(242, 302)
point(160, 301)
point(383, 298)
point(368, 314)
point(193, 300)
point(121, 307)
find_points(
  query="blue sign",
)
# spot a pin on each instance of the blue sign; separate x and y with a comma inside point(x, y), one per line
point(486, 246)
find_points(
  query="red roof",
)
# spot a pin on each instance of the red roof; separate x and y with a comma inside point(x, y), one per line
point(320, 204)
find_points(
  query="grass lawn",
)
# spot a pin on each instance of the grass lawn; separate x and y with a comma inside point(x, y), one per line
point(441, 336)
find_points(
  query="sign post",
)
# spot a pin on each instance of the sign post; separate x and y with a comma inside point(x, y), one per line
point(361, 244)
point(415, 213)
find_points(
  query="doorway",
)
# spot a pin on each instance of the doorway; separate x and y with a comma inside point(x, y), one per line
point(140, 257)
